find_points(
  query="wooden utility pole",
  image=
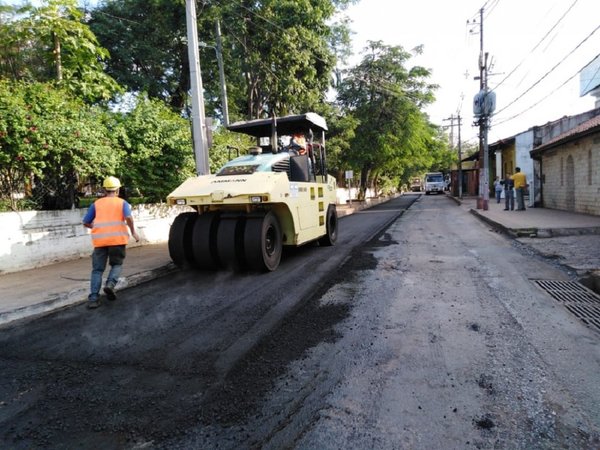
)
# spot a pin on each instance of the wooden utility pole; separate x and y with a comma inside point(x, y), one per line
point(459, 120)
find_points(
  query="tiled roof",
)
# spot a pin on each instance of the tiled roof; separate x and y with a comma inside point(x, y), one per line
point(584, 128)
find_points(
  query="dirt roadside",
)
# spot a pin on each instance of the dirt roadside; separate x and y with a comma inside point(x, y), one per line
point(580, 255)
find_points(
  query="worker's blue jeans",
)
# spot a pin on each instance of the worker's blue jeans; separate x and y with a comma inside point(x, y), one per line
point(498, 195)
point(520, 198)
point(115, 255)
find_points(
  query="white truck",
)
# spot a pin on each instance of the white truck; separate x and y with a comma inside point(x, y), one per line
point(434, 182)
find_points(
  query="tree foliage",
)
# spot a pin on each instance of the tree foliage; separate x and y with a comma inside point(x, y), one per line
point(148, 46)
point(282, 48)
point(157, 149)
point(386, 98)
point(278, 54)
point(49, 140)
point(341, 132)
point(280, 58)
point(51, 43)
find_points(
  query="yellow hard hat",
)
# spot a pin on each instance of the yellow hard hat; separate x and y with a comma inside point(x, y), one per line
point(111, 184)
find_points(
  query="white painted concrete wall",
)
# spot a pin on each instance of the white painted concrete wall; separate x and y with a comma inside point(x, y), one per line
point(32, 239)
point(523, 145)
point(36, 238)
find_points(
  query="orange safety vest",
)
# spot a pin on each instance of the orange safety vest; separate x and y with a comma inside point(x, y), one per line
point(110, 227)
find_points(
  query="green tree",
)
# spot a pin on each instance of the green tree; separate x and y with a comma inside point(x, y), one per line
point(386, 99)
point(278, 53)
point(283, 50)
point(50, 43)
point(341, 132)
point(157, 148)
point(147, 41)
point(49, 141)
point(21, 150)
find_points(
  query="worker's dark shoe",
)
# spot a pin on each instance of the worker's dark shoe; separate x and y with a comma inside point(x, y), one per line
point(110, 292)
point(93, 304)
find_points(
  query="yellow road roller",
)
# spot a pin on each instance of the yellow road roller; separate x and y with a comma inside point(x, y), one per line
point(276, 194)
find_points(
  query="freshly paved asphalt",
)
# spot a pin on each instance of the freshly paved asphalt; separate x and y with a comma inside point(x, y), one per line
point(35, 292)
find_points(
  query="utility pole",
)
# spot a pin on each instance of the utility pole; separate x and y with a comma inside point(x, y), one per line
point(483, 198)
point(219, 51)
point(197, 115)
point(460, 178)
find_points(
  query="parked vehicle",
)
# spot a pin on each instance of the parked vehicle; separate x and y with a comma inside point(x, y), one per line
point(434, 182)
point(415, 184)
point(279, 194)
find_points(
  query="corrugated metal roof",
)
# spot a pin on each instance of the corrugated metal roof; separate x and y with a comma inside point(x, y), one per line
point(584, 128)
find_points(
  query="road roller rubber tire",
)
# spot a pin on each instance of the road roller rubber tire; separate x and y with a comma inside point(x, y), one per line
point(331, 222)
point(263, 243)
point(180, 239)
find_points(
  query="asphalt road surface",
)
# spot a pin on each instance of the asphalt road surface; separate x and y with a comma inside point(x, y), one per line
point(421, 329)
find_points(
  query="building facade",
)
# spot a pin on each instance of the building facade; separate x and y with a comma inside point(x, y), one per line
point(569, 168)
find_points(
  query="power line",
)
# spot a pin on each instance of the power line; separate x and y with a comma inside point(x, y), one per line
point(261, 17)
point(546, 96)
point(537, 45)
point(123, 19)
point(490, 8)
point(550, 71)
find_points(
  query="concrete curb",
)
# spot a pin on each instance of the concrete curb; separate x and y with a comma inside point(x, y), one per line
point(79, 295)
point(59, 301)
point(491, 222)
point(590, 279)
point(558, 232)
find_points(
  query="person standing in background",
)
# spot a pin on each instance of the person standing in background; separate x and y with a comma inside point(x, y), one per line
point(509, 199)
point(498, 189)
point(109, 218)
point(520, 182)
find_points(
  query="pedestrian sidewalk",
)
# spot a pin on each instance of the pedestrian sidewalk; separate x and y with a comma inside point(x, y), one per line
point(533, 222)
point(38, 291)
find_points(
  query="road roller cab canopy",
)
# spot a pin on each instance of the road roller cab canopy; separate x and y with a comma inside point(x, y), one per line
point(288, 125)
point(268, 132)
point(274, 138)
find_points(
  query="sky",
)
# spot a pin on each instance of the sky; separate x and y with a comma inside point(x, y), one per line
point(525, 40)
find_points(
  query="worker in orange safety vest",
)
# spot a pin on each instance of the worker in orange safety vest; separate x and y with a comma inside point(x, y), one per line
point(110, 220)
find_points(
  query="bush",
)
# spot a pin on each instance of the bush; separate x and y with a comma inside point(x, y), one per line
point(158, 150)
point(24, 204)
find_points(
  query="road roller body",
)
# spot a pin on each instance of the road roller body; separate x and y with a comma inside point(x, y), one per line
point(278, 194)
